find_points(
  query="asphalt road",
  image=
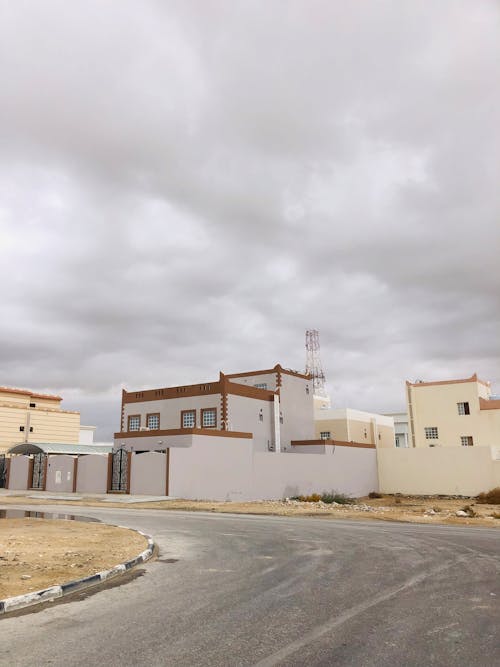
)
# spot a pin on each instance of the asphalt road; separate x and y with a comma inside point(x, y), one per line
point(245, 590)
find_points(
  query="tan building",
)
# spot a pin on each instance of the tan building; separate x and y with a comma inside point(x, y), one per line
point(349, 425)
point(29, 417)
point(453, 413)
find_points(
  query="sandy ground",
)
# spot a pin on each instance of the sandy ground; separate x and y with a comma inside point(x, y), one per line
point(38, 553)
point(412, 509)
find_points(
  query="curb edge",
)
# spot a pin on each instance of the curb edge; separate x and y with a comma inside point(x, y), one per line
point(54, 592)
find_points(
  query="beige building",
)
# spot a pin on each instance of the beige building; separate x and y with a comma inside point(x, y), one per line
point(29, 417)
point(349, 425)
point(453, 413)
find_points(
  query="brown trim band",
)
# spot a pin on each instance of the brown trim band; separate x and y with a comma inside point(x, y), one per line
point(473, 378)
point(202, 389)
point(26, 392)
point(182, 431)
point(249, 392)
point(340, 443)
point(269, 371)
point(489, 404)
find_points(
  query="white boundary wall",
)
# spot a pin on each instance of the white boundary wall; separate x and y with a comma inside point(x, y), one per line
point(461, 471)
point(229, 469)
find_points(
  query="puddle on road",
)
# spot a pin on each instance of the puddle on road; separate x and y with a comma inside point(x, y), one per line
point(30, 514)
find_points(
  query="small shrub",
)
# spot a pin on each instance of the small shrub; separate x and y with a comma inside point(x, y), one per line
point(436, 509)
point(375, 494)
point(397, 501)
point(496, 515)
point(490, 498)
point(330, 497)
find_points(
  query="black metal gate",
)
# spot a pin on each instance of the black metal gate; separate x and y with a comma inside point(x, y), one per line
point(119, 477)
point(38, 481)
point(3, 471)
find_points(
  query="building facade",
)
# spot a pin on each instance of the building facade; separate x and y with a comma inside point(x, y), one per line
point(272, 407)
point(29, 417)
point(349, 425)
point(453, 413)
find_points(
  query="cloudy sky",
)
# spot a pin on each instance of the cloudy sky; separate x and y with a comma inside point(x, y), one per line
point(188, 186)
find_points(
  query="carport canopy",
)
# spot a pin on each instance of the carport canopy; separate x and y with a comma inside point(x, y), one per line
point(58, 448)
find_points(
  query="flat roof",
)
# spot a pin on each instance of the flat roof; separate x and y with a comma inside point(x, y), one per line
point(27, 392)
point(58, 448)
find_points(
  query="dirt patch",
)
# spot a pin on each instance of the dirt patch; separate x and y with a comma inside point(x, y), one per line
point(38, 553)
point(411, 509)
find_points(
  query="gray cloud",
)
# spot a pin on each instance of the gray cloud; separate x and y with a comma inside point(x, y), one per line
point(187, 186)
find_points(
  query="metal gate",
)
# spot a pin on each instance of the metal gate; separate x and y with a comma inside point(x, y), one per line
point(119, 477)
point(3, 471)
point(38, 480)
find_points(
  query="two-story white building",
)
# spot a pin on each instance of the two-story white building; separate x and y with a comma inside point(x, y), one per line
point(272, 407)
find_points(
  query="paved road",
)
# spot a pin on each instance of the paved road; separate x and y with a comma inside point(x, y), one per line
point(233, 590)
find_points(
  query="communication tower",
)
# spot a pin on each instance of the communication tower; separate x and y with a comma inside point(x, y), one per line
point(313, 363)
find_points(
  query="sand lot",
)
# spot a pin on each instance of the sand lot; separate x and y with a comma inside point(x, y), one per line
point(38, 553)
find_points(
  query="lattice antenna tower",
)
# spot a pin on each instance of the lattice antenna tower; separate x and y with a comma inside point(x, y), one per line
point(313, 363)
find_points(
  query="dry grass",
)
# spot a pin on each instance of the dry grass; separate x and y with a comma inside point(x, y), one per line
point(491, 497)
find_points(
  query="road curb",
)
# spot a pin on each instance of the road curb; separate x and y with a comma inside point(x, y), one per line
point(54, 592)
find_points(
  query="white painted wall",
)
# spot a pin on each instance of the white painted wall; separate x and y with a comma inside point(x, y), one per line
point(244, 414)
point(92, 474)
point(346, 469)
point(18, 475)
point(170, 410)
point(212, 468)
point(148, 474)
point(297, 407)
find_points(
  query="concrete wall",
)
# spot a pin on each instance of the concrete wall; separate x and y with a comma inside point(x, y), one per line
point(18, 476)
point(92, 474)
point(170, 410)
point(60, 471)
point(244, 415)
point(297, 407)
point(212, 468)
point(251, 380)
point(345, 469)
point(464, 471)
point(230, 470)
point(148, 474)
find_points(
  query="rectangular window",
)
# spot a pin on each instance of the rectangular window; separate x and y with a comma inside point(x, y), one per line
point(153, 421)
point(188, 418)
point(134, 422)
point(466, 440)
point(261, 385)
point(32, 405)
point(325, 435)
point(21, 428)
point(209, 418)
point(463, 408)
point(431, 433)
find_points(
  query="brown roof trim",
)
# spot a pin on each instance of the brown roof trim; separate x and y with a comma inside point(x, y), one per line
point(489, 404)
point(26, 392)
point(340, 443)
point(473, 378)
point(200, 389)
point(249, 392)
point(183, 431)
point(277, 369)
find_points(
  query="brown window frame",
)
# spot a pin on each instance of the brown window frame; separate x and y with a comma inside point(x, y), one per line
point(202, 411)
point(129, 417)
point(183, 412)
point(153, 414)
